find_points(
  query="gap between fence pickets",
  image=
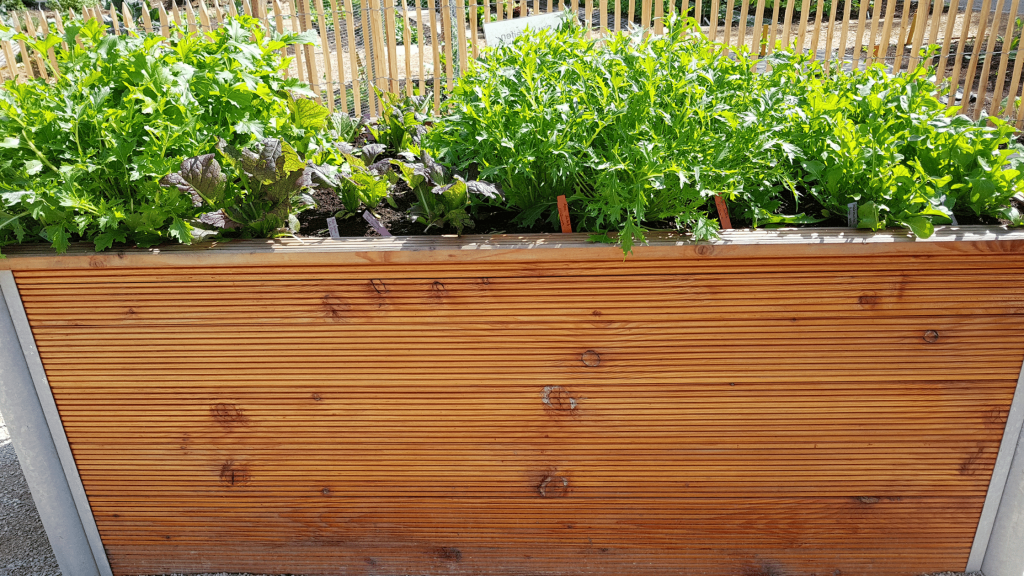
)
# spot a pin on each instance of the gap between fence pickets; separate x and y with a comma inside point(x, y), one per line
point(9, 289)
point(1000, 471)
point(868, 32)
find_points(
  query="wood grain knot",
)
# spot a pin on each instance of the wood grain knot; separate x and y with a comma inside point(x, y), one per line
point(449, 553)
point(438, 287)
point(591, 358)
point(334, 308)
point(931, 336)
point(326, 491)
point(553, 487)
point(868, 300)
point(234, 474)
point(559, 398)
point(379, 286)
point(228, 414)
point(705, 250)
point(868, 499)
point(317, 398)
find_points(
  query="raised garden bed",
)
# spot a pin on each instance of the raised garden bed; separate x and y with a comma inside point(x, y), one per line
point(776, 402)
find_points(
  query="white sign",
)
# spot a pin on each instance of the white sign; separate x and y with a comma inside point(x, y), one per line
point(504, 32)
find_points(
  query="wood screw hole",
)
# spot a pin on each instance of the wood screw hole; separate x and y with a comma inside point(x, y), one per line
point(931, 336)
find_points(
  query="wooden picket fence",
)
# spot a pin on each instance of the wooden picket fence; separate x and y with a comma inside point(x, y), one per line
point(412, 46)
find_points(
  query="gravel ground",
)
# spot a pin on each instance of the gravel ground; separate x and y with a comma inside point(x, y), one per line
point(24, 549)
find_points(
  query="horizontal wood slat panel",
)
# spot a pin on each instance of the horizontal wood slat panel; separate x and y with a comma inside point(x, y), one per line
point(496, 412)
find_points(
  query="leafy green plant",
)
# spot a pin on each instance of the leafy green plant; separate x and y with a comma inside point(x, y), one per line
point(401, 121)
point(638, 131)
point(259, 195)
point(358, 181)
point(442, 197)
point(80, 157)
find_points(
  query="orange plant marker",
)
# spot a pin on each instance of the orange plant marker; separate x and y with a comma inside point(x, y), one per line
point(723, 212)
point(563, 215)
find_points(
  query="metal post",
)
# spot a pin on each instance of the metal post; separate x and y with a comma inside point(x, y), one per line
point(1005, 553)
point(39, 440)
point(1003, 513)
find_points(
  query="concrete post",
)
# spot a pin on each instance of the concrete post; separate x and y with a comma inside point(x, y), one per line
point(36, 448)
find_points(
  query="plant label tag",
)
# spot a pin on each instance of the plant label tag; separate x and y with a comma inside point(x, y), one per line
point(723, 213)
point(563, 215)
point(375, 224)
point(851, 215)
point(504, 32)
point(332, 227)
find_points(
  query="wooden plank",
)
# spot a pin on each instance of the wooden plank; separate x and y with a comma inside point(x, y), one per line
point(460, 18)
point(973, 66)
point(339, 50)
point(843, 31)
point(165, 26)
point(35, 56)
point(755, 47)
point(774, 28)
point(353, 54)
point(906, 27)
point(147, 21)
point(741, 36)
point(729, 11)
point(325, 49)
point(858, 45)
point(659, 16)
point(828, 37)
point(602, 7)
point(944, 51)
point(883, 42)
point(437, 57)
point(407, 44)
point(632, 10)
point(983, 82)
point(391, 40)
point(1015, 80)
point(204, 18)
point(954, 81)
point(448, 52)
point(51, 54)
point(472, 36)
point(712, 19)
point(305, 19)
point(279, 22)
point(805, 8)
point(9, 57)
point(787, 24)
point(918, 37)
point(300, 70)
point(997, 93)
point(190, 17)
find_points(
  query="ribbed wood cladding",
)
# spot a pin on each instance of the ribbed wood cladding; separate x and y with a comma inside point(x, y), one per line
point(488, 413)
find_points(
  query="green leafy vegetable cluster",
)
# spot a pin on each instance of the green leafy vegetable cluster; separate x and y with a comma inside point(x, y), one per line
point(636, 130)
point(81, 157)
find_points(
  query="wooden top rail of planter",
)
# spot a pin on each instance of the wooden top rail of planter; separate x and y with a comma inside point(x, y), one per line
point(774, 402)
point(762, 243)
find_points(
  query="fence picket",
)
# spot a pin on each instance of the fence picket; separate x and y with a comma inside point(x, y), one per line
point(983, 83)
point(437, 55)
point(30, 29)
point(843, 29)
point(921, 22)
point(353, 56)
point(407, 45)
point(449, 56)
point(1004, 60)
point(829, 37)
point(755, 42)
point(712, 20)
point(422, 39)
point(973, 67)
point(460, 18)
point(325, 47)
point(801, 34)
point(787, 24)
point(659, 15)
point(339, 54)
point(50, 53)
point(774, 29)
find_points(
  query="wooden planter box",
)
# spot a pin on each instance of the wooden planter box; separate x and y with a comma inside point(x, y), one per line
point(791, 402)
